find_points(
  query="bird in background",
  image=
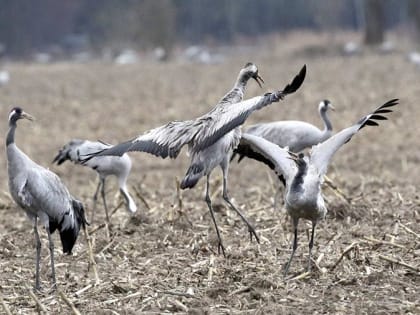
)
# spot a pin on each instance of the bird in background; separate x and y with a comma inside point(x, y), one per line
point(42, 195)
point(119, 166)
point(295, 134)
point(304, 174)
point(210, 138)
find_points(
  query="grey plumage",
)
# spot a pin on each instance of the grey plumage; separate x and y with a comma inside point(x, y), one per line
point(294, 134)
point(42, 195)
point(210, 138)
point(103, 165)
point(304, 174)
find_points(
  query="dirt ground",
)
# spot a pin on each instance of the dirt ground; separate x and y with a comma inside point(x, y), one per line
point(164, 259)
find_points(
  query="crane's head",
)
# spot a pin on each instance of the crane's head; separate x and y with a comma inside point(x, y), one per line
point(325, 105)
point(17, 113)
point(251, 71)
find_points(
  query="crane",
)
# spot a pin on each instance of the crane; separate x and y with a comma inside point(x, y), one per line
point(304, 174)
point(210, 138)
point(42, 195)
point(103, 166)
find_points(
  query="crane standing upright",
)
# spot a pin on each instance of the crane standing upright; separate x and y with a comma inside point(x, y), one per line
point(42, 195)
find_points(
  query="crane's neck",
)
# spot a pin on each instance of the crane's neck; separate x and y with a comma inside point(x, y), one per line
point(327, 122)
point(11, 133)
point(131, 205)
point(300, 175)
point(236, 94)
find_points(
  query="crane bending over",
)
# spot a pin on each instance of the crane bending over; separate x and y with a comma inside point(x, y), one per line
point(304, 175)
point(42, 195)
point(103, 165)
point(210, 138)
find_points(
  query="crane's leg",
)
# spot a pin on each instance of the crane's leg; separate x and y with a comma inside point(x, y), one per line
point(225, 167)
point(38, 254)
point(208, 200)
point(295, 225)
point(51, 244)
point(103, 199)
point(311, 244)
point(95, 199)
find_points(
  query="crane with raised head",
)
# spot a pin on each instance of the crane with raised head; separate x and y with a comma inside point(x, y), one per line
point(42, 195)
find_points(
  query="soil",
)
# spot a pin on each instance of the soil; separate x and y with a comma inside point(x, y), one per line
point(164, 259)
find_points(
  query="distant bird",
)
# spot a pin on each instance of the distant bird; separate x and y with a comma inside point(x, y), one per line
point(210, 138)
point(104, 166)
point(42, 195)
point(4, 77)
point(304, 175)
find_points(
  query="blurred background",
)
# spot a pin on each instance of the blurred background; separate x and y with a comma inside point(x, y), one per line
point(125, 30)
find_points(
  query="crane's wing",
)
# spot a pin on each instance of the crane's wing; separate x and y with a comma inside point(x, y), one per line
point(169, 139)
point(226, 118)
point(322, 153)
point(269, 153)
point(164, 141)
point(46, 191)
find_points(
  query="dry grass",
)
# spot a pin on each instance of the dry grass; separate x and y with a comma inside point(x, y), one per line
point(164, 260)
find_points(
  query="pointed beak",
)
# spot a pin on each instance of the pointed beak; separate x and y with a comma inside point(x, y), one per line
point(331, 107)
point(259, 80)
point(27, 116)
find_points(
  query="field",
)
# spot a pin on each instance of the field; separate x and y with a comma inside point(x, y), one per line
point(164, 259)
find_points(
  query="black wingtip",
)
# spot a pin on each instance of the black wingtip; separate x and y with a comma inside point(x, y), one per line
point(296, 83)
point(374, 116)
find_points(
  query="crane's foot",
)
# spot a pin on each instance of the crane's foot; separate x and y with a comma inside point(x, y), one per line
point(220, 247)
point(253, 233)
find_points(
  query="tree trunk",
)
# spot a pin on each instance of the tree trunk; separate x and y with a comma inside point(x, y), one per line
point(374, 22)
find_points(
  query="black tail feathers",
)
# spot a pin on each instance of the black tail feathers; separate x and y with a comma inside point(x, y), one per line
point(69, 235)
point(194, 173)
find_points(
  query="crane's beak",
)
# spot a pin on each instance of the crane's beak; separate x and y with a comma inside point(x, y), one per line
point(259, 80)
point(27, 116)
point(331, 107)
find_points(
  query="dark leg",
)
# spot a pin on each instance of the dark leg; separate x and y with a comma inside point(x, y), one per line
point(311, 244)
point(95, 199)
point(295, 225)
point(229, 202)
point(51, 243)
point(208, 200)
point(103, 199)
point(38, 254)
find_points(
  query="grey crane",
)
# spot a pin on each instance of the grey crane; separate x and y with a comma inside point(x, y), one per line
point(42, 195)
point(295, 134)
point(210, 138)
point(304, 174)
point(103, 165)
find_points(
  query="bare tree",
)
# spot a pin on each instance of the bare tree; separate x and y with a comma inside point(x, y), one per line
point(414, 12)
point(374, 22)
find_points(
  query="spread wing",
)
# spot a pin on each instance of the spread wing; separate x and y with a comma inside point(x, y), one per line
point(269, 153)
point(226, 118)
point(322, 153)
point(201, 133)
